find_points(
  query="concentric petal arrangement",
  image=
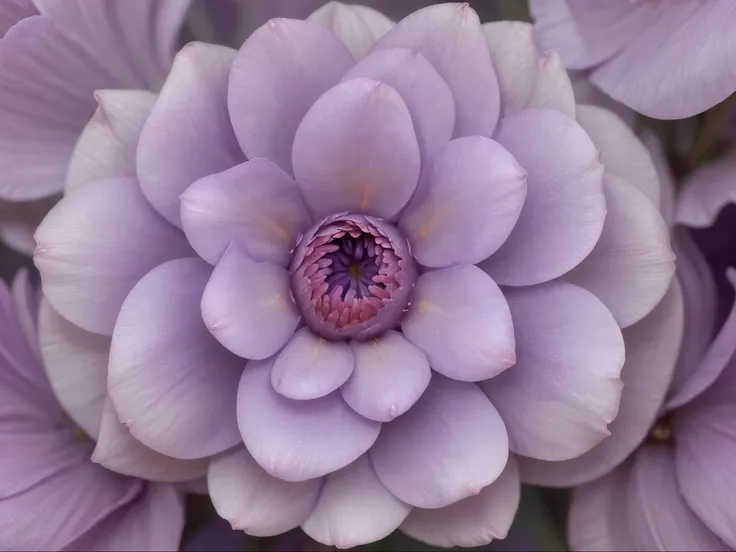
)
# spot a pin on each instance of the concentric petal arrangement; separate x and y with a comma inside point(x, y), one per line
point(358, 285)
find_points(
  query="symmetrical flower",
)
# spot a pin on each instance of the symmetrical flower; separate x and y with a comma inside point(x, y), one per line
point(415, 245)
point(667, 60)
point(52, 495)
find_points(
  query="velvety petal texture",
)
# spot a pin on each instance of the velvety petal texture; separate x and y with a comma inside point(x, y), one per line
point(357, 26)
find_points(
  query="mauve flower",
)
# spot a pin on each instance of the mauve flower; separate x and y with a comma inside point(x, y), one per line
point(665, 59)
point(52, 495)
point(54, 54)
point(423, 260)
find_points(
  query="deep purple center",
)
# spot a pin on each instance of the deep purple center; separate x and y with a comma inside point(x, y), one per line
point(352, 276)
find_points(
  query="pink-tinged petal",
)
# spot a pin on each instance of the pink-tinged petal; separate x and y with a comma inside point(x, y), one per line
point(659, 518)
point(275, 80)
point(356, 150)
point(652, 346)
point(26, 299)
point(18, 222)
point(357, 26)
point(429, 99)
point(645, 75)
point(13, 11)
point(664, 173)
point(474, 521)
point(76, 365)
point(310, 367)
point(621, 151)
point(632, 265)
point(247, 305)
point(597, 520)
point(254, 501)
point(469, 199)
point(565, 192)
point(706, 191)
point(460, 319)
point(255, 203)
point(527, 77)
point(89, 251)
point(153, 521)
point(389, 377)
point(298, 440)
point(354, 508)
point(451, 38)
point(188, 134)
point(448, 447)
point(565, 388)
point(171, 383)
point(117, 450)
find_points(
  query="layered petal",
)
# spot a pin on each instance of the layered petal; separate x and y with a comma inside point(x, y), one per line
point(255, 203)
point(474, 521)
point(565, 193)
point(354, 508)
point(310, 367)
point(426, 94)
point(13, 11)
point(389, 377)
point(469, 311)
point(412, 457)
point(357, 26)
point(469, 199)
point(652, 347)
point(247, 305)
point(451, 38)
point(89, 251)
point(565, 388)
point(188, 134)
point(275, 80)
point(18, 222)
point(706, 191)
point(171, 383)
point(254, 501)
point(298, 440)
point(356, 150)
point(527, 77)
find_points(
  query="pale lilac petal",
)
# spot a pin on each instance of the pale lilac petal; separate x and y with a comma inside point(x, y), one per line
point(354, 508)
point(13, 11)
point(26, 299)
point(389, 377)
point(247, 305)
point(427, 96)
point(474, 521)
point(106, 147)
point(468, 311)
point(18, 222)
point(587, 94)
point(659, 518)
point(565, 192)
point(469, 199)
point(706, 191)
point(356, 150)
point(664, 172)
point(565, 388)
point(645, 75)
point(188, 134)
point(274, 81)
point(448, 447)
point(527, 77)
point(357, 26)
point(173, 386)
point(117, 450)
point(154, 521)
point(310, 367)
point(89, 251)
point(621, 151)
point(652, 346)
point(298, 440)
point(76, 365)
point(632, 265)
point(254, 501)
point(451, 38)
point(254, 203)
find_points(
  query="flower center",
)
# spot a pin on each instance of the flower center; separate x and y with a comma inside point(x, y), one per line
point(661, 432)
point(352, 276)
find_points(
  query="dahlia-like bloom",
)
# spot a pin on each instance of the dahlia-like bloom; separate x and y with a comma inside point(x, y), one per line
point(422, 260)
point(52, 495)
point(665, 59)
point(54, 54)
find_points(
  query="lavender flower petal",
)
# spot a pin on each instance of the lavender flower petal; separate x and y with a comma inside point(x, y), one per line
point(357, 26)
